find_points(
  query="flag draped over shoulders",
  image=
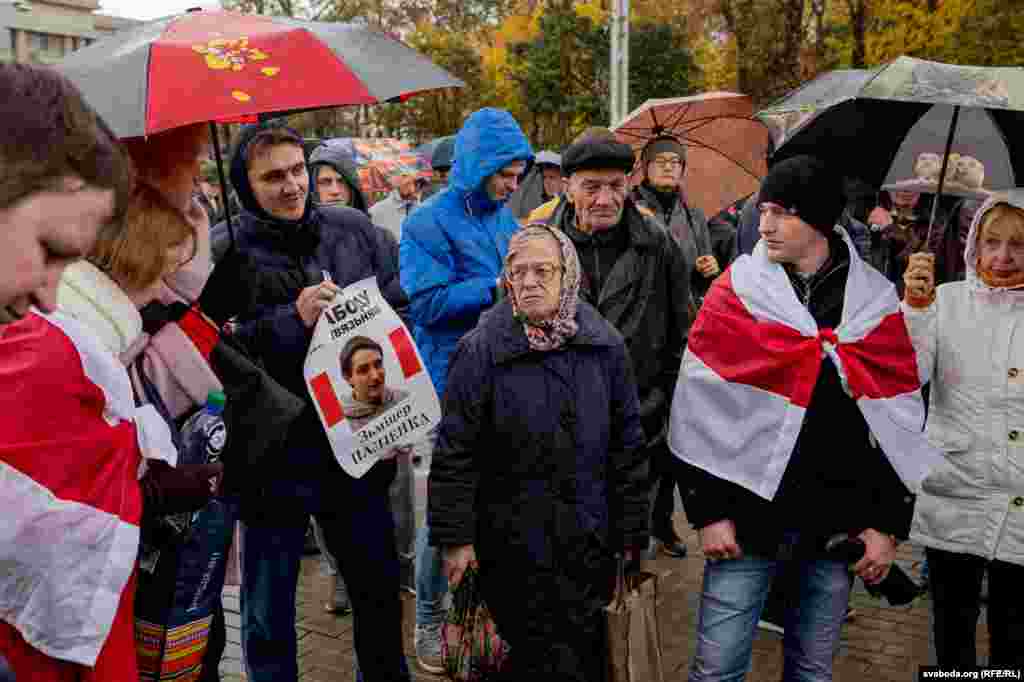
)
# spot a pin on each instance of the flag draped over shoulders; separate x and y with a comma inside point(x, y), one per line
point(753, 360)
point(72, 444)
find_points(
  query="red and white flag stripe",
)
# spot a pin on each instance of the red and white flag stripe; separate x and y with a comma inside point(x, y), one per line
point(753, 359)
point(71, 447)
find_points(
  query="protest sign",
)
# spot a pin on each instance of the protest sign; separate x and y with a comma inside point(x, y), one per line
point(367, 379)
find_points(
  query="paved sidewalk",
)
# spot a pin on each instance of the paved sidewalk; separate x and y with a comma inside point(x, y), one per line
point(879, 643)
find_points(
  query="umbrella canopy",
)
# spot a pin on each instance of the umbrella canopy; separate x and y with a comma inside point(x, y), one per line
point(225, 66)
point(725, 147)
point(858, 120)
point(978, 142)
point(381, 160)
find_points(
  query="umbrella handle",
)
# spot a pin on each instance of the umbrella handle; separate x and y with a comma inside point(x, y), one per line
point(942, 172)
point(223, 182)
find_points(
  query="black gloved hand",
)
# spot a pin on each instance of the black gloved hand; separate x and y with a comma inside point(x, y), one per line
point(171, 490)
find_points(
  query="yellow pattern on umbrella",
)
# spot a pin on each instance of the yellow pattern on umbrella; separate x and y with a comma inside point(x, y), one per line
point(224, 54)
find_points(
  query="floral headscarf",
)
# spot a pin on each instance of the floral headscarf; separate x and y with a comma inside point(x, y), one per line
point(554, 333)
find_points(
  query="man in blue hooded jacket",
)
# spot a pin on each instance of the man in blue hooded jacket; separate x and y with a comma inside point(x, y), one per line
point(451, 256)
point(283, 232)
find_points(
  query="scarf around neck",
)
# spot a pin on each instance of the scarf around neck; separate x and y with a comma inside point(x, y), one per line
point(550, 334)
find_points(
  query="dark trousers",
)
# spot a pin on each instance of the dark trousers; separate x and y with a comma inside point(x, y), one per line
point(955, 582)
point(360, 533)
point(215, 646)
point(665, 478)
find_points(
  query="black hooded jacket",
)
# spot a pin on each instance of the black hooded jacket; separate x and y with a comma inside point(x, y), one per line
point(339, 160)
point(338, 240)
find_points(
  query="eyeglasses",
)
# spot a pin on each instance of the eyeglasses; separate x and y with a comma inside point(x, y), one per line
point(544, 272)
point(668, 163)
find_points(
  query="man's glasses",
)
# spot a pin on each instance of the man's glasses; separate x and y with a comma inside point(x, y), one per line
point(544, 273)
point(674, 162)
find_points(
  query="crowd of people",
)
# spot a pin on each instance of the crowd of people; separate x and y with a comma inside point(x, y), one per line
point(819, 379)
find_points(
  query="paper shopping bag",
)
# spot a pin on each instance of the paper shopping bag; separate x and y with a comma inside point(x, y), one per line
point(634, 638)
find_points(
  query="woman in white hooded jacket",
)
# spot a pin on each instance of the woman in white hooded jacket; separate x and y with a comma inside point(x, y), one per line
point(969, 515)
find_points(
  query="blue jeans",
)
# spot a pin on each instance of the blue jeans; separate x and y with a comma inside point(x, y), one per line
point(734, 594)
point(359, 532)
point(431, 582)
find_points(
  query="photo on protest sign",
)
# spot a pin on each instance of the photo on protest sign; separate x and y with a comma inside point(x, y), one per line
point(368, 381)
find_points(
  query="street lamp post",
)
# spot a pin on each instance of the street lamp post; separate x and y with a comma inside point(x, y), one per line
point(619, 82)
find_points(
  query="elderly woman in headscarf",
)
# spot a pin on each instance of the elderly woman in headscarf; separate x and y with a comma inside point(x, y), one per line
point(539, 475)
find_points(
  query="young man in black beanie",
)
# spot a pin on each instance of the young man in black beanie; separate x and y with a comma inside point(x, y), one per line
point(779, 457)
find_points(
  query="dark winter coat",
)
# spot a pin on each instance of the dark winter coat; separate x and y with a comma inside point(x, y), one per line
point(696, 237)
point(339, 160)
point(645, 296)
point(343, 242)
point(837, 479)
point(540, 466)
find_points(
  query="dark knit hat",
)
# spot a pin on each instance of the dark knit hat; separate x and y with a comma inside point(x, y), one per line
point(597, 149)
point(663, 145)
point(806, 186)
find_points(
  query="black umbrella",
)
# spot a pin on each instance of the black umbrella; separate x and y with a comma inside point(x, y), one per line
point(857, 120)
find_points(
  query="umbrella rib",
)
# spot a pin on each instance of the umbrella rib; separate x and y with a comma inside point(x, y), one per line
point(638, 136)
point(680, 115)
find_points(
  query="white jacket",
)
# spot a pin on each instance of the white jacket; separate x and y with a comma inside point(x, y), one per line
point(391, 211)
point(970, 342)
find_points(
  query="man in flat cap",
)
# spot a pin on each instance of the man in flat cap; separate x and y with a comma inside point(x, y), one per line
point(635, 275)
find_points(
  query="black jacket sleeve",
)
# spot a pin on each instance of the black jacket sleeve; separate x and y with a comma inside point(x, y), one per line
point(455, 468)
point(677, 314)
point(627, 460)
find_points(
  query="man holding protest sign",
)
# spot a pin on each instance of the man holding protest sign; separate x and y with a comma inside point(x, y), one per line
point(332, 246)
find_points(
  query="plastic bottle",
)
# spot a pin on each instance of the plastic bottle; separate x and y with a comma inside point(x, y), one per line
point(205, 434)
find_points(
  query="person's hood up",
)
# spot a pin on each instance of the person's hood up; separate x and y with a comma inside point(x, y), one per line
point(339, 160)
point(489, 140)
point(1012, 197)
point(240, 177)
point(530, 194)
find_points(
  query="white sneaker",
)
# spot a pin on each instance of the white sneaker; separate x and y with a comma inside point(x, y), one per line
point(771, 627)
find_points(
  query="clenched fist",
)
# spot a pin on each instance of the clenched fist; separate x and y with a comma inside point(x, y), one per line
point(919, 280)
point(708, 266)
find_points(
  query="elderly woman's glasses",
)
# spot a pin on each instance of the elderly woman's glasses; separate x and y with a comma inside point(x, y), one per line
point(543, 273)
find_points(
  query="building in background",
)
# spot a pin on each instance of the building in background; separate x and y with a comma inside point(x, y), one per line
point(44, 31)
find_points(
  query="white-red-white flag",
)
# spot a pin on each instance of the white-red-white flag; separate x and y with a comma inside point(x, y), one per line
point(752, 361)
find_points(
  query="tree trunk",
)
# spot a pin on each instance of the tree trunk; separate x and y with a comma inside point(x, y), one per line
point(858, 27)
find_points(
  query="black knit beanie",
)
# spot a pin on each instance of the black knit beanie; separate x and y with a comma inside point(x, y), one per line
point(805, 185)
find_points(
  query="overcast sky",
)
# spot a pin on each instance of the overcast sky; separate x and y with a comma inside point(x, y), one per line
point(151, 9)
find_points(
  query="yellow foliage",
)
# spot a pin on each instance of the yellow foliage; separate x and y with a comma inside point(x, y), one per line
point(717, 61)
